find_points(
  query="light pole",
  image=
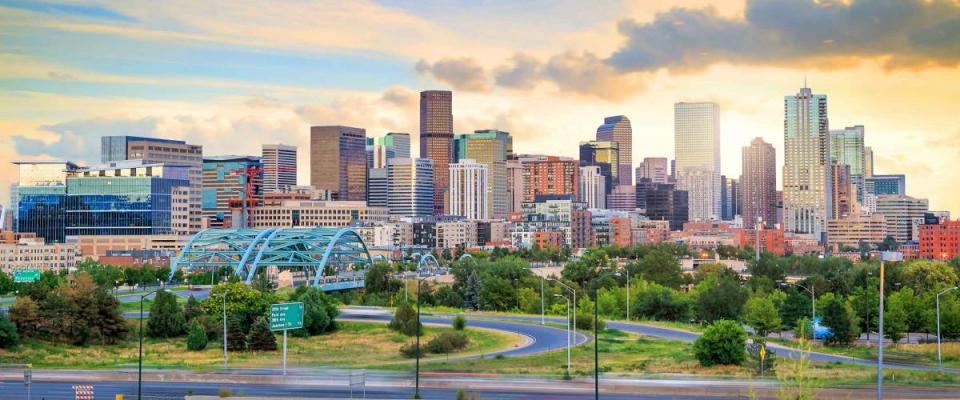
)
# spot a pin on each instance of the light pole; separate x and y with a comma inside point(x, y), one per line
point(627, 269)
point(813, 302)
point(416, 394)
point(940, 360)
point(596, 334)
point(885, 256)
point(224, 297)
point(568, 330)
point(573, 292)
point(140, 351)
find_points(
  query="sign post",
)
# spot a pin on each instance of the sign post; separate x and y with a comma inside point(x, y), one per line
point(28, 380)
point(283, 317)
point(26, 275)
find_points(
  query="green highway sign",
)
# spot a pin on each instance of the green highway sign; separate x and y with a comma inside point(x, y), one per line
point(26, 275)
point(286, 316)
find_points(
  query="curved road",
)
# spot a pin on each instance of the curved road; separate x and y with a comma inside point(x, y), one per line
point(540, 339)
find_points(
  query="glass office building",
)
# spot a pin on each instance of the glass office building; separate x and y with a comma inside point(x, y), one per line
point(41, 198)
point(121, 205)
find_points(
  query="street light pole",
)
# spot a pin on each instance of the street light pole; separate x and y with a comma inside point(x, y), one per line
point(939, 359)
point(416, 395)
point(880, 339)
point(568, 331)
point(596, 348)
point(574, 293)
point(224, 329)
point(543, 318)
point(628, 291)
point(140, 351)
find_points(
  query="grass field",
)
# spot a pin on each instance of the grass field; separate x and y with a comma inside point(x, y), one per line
point(353, 345)
point(134, 306)
point(633, 354)
point(924, 353)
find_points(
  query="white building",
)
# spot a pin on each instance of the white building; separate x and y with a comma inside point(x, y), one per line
point(34, 254)
point(468, 196)
point(697, 147)
point(279, 168)
point(901, 213)
point(806, 169)
point(593, 187)
point(308, 213)
point(453, 234)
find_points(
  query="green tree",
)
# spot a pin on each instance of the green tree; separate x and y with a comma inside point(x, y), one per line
point(243, 302)
point(318, 312)
point(260, 337)
point(761, 314)
point(888, 244)
point(197, 337)
point(459, 322)
point(895, 324)
point(192, 309)
point(719, 298)
point(661, 303)
point(838, 316)
point(263, 283)
point(379, 279)
point(405, 320)
point(448, 297)
point(236, 338)
point(166, 318)
point(8, 333)
point(25, 313)
point(660, 267)
point(923, 275)
point(471, 297)
point(722, 343)
point(6, 284)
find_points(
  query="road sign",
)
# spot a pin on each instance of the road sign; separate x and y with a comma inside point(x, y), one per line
point(26, 275)
point(286, 316)
point(763, 352)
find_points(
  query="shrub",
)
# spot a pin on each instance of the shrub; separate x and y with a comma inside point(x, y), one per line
point(405, 320)
point(459, 322)
point(447, 342)
point(224, 392)
point(260, 337)
point(8, 333)
point(409, 350)
point(722, 343)
point(197, 337)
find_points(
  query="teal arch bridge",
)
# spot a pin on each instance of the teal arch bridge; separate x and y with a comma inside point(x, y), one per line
point(332, 258)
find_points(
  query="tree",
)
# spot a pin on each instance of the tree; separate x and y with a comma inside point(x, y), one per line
point(922, 275)
point(318, 312)
point(838, 316)
point(448, 297)
point(8, 333)
point(6, 284)
point(236, 339)
point(471, 297)
point(660, 267)
point(895, 323)
point(888, 244)
point(197, 336)
point(761, 314)
point(26, 315)
point(260, 337)
point(405, 320)
point(719, 298)
point(166, 318)
point(459, 322)
point(263, 283)
point(722, 343)
point(379, 279)
point(192, 309)
point(243, 302)
point(661, 303)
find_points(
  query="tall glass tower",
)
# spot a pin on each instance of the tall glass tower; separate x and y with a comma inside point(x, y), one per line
point(806, 167)
point(697, 148)
point(617, 129)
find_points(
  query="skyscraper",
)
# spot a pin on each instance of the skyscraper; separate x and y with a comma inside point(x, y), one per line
point(901, 212)
point(758, 183)
point(729, 198)
point(867, 162)
point(225, 181)
point(400, 142)
point(516, 186)
point(42, 198)
point(469, 181)
point(338, 161)
point(279, 168)
point(617, 129)
point(656, 169)
point(843, 195)
point(806, 167)
point(436, 139)
point(606, 155)
point(550, 175)
point(846, 148)
point(885, 184)
point(489, 147)
point(593, 187)
point(697, 147)
point(378, 187)
point(411, 187)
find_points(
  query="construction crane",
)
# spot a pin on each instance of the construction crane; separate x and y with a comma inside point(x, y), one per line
point(247, 193)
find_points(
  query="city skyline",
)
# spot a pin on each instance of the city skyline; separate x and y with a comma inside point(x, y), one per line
point(62, 95)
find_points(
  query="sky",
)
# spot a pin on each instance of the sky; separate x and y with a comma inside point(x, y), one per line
point(233, 75)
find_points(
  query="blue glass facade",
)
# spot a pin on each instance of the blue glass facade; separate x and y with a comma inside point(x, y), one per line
point(120, 205)
point(41, 211)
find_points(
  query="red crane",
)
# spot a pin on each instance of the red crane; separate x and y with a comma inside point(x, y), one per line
point(248, 190)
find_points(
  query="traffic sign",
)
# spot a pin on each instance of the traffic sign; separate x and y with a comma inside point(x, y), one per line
point(286, 316)
point(26, 275)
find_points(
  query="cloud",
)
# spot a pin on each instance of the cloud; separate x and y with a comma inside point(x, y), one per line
point(61, 76)
point(400, 96)
point(585, 73)
point(79, 140)
point(460, 73)
point(905, 33)
point(523, 74)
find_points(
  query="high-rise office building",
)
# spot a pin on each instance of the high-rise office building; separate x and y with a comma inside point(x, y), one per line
point(623, 198)
point(617, 129)
point(279, 168)
point(399, 142)
point(758, 183)
point(665, 203)
point(42, 198)
point(491, 148)
point(381, 149)
point(843, 196)
point(550, 175)
point(656, 169)
point(338, 161)
point(410, 192)
point(124, 198)
point(901, 213)
point(468, 196)
point(166, 151)
point(879, 185)
point(436, 139)
point(228, 183)
point(806, 167)
point(606, 155)
point(846, 148)
point(697, 146)
point(516, 186)
point(593, 187)
point(378, 186)
point(14, 205)
point(729, 198)
point(867, 162)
